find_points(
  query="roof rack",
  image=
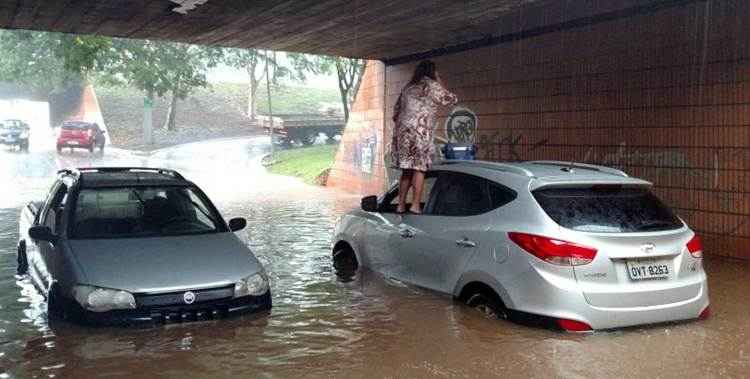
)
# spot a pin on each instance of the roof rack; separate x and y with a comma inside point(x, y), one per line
point(492, 166)
point(163, 171)
point(585, 166)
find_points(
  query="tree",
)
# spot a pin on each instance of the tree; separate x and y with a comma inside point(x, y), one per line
point(160, 69)
point(348, 71)
point(255, 63)
point(47, 62)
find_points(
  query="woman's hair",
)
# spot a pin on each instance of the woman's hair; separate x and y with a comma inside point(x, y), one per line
point(425, 68)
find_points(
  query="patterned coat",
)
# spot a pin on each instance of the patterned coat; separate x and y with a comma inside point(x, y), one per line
point(412, 146)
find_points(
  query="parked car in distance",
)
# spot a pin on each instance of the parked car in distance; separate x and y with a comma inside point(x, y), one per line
point(15, 133)
point(80, 135)
point(136, 245)
point(576, 246)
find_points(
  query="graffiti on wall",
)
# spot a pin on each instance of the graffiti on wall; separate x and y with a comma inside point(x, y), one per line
point(364, 151)
point(507, 145)
point(461, 125)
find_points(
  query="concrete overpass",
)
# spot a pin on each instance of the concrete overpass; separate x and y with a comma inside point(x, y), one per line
point(659, 88)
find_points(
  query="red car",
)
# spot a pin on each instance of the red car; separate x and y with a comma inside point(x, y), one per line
point(80, 135)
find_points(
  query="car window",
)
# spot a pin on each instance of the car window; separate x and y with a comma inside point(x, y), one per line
point(459, 195)
point(607, 209)
point(142, 212)
point(75, 126)
point(390, 201)
point(54, 212)
point(500, 195)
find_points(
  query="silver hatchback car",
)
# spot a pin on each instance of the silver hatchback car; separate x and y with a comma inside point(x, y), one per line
point(119, 245)
point(574, 245)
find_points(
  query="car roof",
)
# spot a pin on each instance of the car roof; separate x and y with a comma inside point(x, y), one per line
point(538, 174)
point(102, 177)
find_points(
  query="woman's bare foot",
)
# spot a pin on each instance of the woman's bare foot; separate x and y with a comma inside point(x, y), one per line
point(415, 211)
point(400, 210)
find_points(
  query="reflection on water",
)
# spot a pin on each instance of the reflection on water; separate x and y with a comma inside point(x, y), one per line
point(320, 326)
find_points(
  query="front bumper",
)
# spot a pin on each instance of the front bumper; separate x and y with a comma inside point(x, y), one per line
point(11, 141)
point(148, 316)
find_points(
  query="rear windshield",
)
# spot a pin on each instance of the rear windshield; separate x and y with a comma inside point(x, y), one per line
point(607, 209)
point(75, 126)
point(142, 212)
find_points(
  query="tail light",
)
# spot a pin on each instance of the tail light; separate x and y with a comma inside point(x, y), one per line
point(554, 251)
point(89, 132)
point(695, 247)
point(573, 325)
point(705, 314)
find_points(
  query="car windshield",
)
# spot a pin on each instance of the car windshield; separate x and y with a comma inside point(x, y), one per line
point(125, 212)
point(607, 209)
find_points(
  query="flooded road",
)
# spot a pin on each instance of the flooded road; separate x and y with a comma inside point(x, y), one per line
point(320, 326)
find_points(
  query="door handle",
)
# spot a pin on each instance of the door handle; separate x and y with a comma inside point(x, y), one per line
point(465, 242)
point(407, 233)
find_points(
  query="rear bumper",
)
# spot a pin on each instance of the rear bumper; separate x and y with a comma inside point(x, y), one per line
point(74, 143)
point(562, 299)
point(174, 314)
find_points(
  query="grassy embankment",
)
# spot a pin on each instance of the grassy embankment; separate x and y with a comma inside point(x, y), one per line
point(307, 163)
point(218, 110)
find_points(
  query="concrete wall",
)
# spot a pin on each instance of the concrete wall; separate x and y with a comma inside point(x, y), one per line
point(359, 163)
point(663, 95)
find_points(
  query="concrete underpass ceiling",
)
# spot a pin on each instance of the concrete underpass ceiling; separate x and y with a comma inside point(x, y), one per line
point(372, 29)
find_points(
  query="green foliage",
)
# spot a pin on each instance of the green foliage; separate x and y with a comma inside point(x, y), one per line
point(49, 61)
point(157, 68)
point(349, 72)
point(306, 163)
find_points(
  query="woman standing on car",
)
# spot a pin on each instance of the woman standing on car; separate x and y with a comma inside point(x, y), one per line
point(412, 146)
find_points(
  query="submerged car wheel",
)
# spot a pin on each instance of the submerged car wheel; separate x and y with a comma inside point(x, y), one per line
point(345, 261)
point(485, 300)
point(23, 263)
point(55, 303)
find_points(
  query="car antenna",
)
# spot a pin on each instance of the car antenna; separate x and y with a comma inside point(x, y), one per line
point(569, 168)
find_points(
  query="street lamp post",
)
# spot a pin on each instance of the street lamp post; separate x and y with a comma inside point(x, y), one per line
point(270, 108)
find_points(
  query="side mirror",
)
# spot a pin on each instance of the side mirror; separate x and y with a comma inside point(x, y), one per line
point(42, 233)
point(236, 224)
point(370, 203)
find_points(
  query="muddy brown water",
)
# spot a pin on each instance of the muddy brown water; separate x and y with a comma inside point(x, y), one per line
point(320, 326)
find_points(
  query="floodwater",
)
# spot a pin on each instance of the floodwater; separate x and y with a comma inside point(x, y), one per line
point(320, 326)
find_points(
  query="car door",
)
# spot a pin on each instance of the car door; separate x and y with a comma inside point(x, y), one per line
point(384, 233)
point(447, 235)
point(48, 260)
point(379, 228)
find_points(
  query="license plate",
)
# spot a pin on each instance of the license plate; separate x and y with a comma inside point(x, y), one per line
point(73, 143)
point(643, 269)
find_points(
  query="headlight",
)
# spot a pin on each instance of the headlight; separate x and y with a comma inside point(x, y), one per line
point(97, 299)
point(253, 285)
point(24, 135)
